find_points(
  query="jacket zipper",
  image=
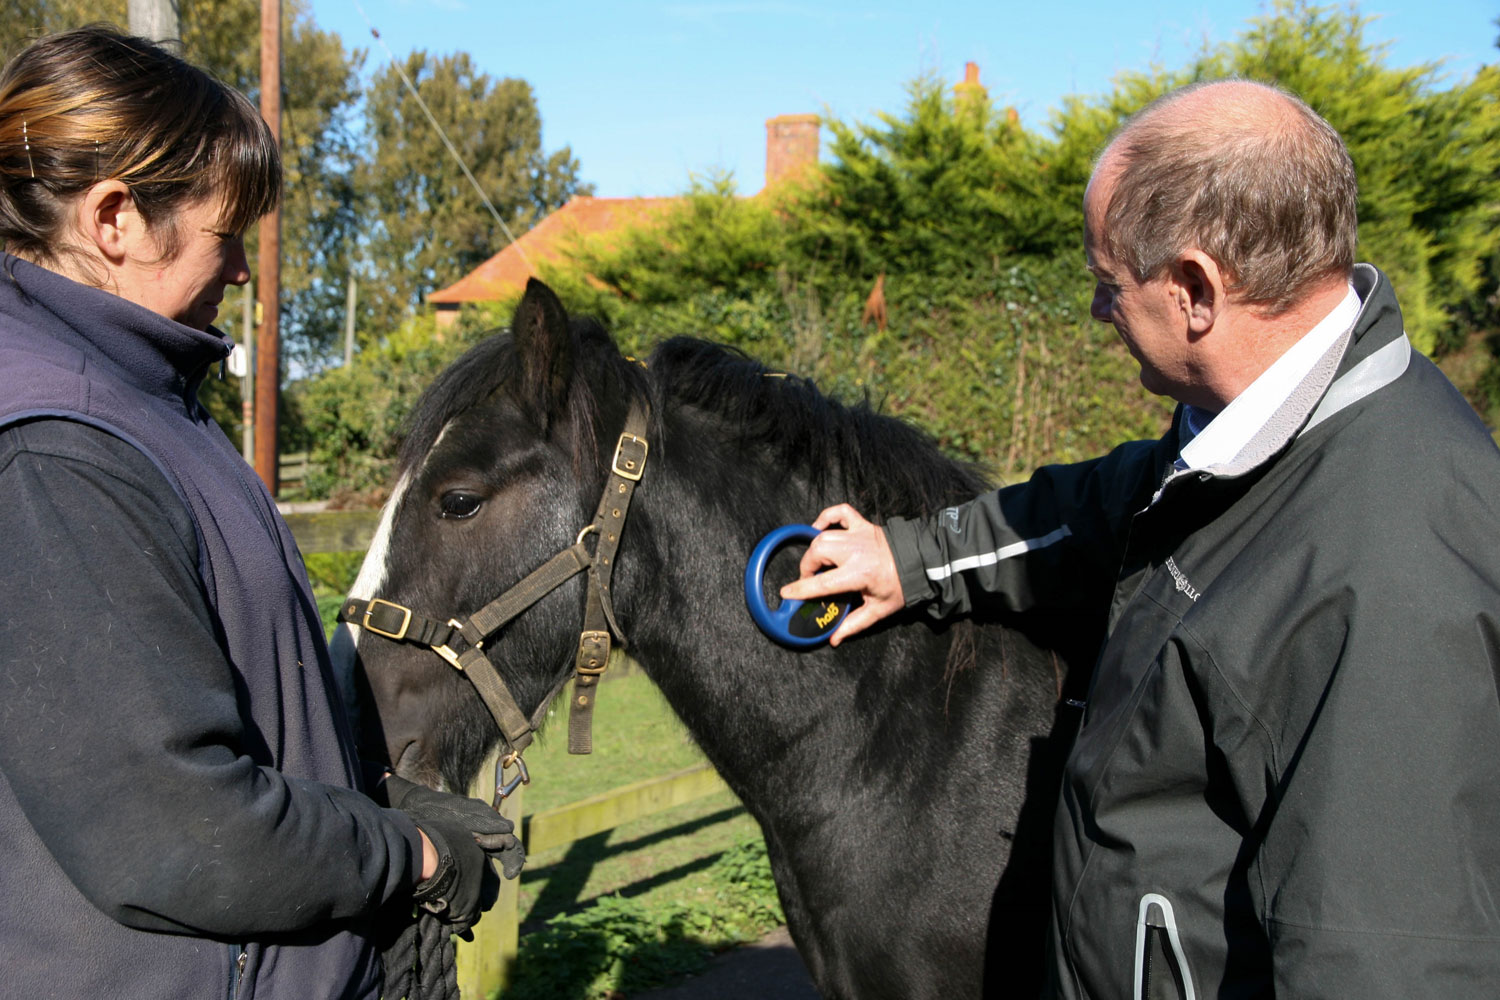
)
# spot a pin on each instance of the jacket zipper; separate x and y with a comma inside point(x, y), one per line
point(1161, 968)
point(237, 975)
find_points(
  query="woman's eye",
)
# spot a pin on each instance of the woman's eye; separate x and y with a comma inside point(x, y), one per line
point(459, 504)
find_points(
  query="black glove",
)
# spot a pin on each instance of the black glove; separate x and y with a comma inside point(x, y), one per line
point(466, 834)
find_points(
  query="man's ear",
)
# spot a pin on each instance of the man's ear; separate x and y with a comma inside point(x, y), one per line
point(1201, 288)
point(108, 221)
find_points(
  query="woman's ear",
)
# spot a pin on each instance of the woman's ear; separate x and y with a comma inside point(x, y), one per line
point(109, 223)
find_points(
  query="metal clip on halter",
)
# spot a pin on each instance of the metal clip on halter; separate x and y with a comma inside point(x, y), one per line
point(503, 788)
point(447, 653)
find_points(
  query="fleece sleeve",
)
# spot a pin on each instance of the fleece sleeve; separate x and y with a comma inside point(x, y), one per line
point(121, 733)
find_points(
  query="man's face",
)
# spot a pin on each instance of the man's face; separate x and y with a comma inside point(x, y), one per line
point(1148, 315)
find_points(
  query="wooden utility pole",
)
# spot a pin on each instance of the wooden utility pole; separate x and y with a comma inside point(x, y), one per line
point(349, 304)
point(247, 384)
point(156, 20)
point(268, 339)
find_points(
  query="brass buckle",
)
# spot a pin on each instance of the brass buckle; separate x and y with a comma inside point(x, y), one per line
point(632, 470)
point(448, 654)
point(599, 637)
point(399, 634)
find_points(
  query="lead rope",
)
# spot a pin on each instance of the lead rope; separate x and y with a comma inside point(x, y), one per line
point(437, 966)
point(420, 963)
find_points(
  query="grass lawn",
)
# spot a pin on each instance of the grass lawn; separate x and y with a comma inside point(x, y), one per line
point(661, 858)
point(646, 903)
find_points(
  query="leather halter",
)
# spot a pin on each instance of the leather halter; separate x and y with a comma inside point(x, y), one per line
point(460, 641)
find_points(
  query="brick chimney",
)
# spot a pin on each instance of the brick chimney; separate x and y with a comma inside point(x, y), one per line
point(791, 146)
point(970, 88)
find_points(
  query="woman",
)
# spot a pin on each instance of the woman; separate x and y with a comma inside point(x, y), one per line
point(180, 812)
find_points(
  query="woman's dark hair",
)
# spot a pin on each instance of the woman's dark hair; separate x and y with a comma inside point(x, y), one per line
point(94, 104)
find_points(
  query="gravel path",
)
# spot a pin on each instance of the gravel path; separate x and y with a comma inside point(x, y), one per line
point(770, 969)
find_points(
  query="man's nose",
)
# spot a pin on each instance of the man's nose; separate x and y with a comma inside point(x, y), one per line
point(1099, 308)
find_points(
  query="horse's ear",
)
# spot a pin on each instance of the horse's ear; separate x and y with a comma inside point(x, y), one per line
point(545, 344)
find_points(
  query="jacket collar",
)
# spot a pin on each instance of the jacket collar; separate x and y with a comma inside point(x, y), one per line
point(159, 355)
point(1369, 356)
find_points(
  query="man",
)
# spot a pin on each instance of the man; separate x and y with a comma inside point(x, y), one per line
point(1284, 778)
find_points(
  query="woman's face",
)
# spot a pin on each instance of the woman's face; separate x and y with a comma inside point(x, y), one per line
point(188, 286)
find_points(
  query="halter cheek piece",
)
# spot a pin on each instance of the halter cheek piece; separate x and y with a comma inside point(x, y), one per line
point(460, 641)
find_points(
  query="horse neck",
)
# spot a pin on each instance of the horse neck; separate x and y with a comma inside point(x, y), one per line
point(751, 704)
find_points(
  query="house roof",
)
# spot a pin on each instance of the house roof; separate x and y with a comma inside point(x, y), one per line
point(508, 270)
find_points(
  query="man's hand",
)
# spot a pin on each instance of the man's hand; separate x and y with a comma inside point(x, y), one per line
point(854, 560)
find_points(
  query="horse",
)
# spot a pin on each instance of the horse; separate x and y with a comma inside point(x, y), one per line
point(905, 781)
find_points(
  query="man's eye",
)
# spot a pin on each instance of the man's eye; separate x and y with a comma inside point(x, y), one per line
point(459, 504)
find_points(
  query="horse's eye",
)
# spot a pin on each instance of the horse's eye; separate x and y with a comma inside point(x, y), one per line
point(459, 504)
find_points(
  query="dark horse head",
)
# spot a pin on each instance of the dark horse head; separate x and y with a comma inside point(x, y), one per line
point(893, 777)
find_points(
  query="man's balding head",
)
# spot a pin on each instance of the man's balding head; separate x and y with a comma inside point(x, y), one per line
point(1242, 171)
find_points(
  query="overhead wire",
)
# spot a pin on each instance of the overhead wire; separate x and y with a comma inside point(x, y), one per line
point(411, 88)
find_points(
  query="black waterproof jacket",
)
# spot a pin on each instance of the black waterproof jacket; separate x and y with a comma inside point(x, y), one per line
point(1287, 777)
point(178, 805)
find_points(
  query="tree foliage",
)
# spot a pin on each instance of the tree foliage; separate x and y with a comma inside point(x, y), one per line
point(431, 228)
point(968, 222)
point(1425, 155)
point(976, 225)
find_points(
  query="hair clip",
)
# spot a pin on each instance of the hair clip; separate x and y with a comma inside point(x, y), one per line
point(26, 141)
point(96, 161)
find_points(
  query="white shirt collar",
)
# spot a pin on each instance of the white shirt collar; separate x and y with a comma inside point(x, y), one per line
point(1227, 433)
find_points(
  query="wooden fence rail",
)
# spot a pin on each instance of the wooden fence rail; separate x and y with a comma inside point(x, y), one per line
point(483, 964)
point(293, 468)
point(619, 806)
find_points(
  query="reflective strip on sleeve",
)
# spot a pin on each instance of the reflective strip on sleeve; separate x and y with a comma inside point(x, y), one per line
point(1003, 552)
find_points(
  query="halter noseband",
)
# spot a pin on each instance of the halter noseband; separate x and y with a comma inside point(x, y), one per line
point(460, 641)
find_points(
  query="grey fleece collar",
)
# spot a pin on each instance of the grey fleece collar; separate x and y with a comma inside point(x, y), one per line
point(1321, 394)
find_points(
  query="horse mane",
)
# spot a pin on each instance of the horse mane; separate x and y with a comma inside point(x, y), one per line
point(494, 363)
point(465, 383)
point(880, 464)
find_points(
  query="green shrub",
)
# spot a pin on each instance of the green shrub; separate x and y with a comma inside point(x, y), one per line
point(973, 225)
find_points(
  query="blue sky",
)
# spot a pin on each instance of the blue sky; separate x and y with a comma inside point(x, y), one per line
point(648, 94)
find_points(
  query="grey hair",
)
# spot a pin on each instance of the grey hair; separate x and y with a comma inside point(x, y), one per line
point(1256, 179)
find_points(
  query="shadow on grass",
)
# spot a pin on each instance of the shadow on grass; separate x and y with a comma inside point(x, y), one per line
point(567, 877)
point(618, 945)
point(619, 953)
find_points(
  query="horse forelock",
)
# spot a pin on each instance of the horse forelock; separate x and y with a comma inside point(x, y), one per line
point(466, 382)
point(492, 366)
point(881, 464)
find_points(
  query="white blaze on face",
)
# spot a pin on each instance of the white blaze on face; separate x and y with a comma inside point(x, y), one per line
point(371, 579)
point(373, 574)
